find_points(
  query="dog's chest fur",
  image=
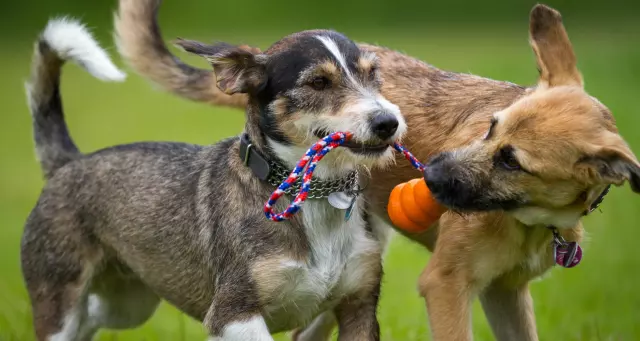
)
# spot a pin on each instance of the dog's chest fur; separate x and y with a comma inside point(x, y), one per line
point(339, 262)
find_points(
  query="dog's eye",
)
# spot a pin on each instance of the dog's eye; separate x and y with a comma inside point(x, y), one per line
point(372, 72)
point(320, 83)
point(507, 160)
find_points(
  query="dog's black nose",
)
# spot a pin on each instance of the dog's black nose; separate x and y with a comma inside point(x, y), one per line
point(384, 125)
point(436, 178)
point(439, 178)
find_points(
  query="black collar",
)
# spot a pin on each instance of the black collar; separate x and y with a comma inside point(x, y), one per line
point(274, 172)
point(598, 201)
point(252, 158)
point(594, 205)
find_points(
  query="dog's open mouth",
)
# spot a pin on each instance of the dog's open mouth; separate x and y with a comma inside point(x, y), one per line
point(359, 147)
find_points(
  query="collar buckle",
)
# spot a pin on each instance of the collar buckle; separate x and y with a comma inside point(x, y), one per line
point(253, 159)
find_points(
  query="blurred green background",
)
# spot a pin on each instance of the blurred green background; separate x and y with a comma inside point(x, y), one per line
point(598, 300)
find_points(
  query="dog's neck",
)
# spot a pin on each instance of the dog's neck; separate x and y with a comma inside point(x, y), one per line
point(541, 217)
point(258, 140)
point(333, 166)
point(565, 218)
point(273, 163)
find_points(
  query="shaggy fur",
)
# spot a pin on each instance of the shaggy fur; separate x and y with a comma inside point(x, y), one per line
point(117, 230)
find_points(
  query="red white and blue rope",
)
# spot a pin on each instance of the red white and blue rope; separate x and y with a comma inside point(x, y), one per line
point(310, 159)
point(402, 149)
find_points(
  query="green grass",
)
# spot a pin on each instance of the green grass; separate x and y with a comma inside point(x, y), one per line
point(598, 300)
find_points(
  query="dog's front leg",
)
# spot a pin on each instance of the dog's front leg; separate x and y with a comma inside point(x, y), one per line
point(235, 315)
point(357, 313)
point(357, 320)
point(509, 311)
point(319, 330)
point(250, 328)
point(448, 294)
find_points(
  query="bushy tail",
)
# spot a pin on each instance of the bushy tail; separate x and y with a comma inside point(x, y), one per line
point(62, 40)
point(140, 43)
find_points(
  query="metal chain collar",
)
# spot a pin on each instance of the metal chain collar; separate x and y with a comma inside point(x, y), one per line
point(319, 188)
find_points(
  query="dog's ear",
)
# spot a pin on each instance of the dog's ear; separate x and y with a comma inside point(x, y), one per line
point(238, 69)
point(548, 38)
point(613, 165)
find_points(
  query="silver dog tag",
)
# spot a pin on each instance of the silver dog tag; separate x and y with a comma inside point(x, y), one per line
point(340, 200)
point(347, 214)
point(343, 201)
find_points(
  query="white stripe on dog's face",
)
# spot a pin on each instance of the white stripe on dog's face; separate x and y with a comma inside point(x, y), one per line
point(360, 111)
point(339, 56)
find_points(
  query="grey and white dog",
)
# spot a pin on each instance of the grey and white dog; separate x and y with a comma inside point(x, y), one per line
point(117, 230)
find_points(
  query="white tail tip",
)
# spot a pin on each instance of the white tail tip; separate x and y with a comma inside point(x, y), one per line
point(71, 40)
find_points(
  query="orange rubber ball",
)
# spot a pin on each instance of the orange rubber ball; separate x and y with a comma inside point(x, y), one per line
point(412, 208)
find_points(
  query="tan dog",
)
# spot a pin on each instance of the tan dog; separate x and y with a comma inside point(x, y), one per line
point(514, 160)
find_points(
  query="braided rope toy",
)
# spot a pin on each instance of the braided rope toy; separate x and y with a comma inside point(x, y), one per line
point(410, 207)
point(317, 151)
point(407, 154)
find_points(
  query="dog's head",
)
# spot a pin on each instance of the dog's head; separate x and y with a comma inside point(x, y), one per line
point(307, 85)
point(546, 158)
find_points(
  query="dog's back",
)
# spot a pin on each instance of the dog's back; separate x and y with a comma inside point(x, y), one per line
point(111, 189)
point(106, 219)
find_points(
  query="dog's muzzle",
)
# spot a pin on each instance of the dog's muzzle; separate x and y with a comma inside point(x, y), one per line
point(454, 188)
